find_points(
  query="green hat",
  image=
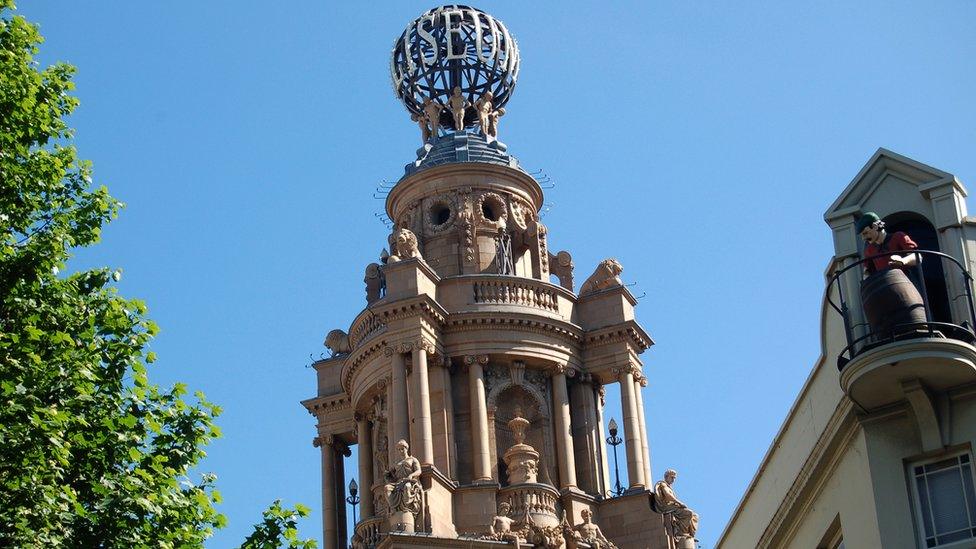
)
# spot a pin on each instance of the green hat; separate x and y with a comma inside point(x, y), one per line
point(866, 220)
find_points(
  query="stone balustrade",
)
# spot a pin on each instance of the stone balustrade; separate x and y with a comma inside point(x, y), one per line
point(365, 326)
point(497, 292)
point(368, 531)
point(533, 500)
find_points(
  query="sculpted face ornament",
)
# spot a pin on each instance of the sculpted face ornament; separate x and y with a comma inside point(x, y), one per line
point(448, 60)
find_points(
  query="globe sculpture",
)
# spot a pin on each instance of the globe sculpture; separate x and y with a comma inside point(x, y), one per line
point(455, 67)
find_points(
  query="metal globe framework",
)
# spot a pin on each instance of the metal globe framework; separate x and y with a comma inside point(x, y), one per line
point(454, 46)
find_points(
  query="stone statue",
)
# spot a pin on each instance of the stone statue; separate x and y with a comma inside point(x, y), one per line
point(421, 120)
point(493, 122)
point(406, 246)
point(500, 528)
point(562, 266)
point(684, 520)
point(338, 342)
point(484, 108)
point(457, 103)
point(432, 115)
point(590, 532)
point(404, 494)
point(606, 275)
point(374, 282)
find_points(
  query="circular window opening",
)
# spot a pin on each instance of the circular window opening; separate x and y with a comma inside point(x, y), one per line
point(441, 214)
point(488, 212)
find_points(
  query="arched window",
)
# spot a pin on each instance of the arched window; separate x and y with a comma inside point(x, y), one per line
point(923, 233)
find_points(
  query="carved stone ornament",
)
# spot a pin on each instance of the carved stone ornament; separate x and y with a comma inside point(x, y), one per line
point(522, 460)
point(434, 219)
point(517, 372)
point(496, 204)
point(466, 223)
point(406, 246)
point(374, 281)
point(606, 275)
point(480, 359)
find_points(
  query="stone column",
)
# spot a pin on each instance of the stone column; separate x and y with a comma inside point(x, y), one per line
point(365, 466)
point(399, 423)
point(330, 531)
point(605, 483)
point(481, 458)
point(340, 487)
point(421, 406)
point(628, 401)
point(564, 439)
point(642, 422)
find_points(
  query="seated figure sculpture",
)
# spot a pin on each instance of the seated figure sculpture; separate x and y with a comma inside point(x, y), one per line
point(685, 521)
point(500, 528)
point(404, 494)
point(590, 532)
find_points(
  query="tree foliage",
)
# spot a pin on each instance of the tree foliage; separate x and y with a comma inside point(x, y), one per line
point(91, 453)
point(280, 526)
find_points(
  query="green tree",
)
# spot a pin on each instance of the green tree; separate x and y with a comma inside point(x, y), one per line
point(91, 453)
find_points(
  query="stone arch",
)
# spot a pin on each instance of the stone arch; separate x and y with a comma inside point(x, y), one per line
point(503, 400)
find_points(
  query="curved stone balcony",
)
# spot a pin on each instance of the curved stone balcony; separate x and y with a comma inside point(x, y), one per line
point(369, 532)
point(499, 293)
point(534, 502)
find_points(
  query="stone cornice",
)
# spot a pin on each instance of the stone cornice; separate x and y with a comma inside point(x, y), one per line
point(630, 332)
point(520, 322)
point(327, 404)
point(422, 306)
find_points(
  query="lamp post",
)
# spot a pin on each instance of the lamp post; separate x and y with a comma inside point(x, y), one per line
point(353, 498)
point(613, 440)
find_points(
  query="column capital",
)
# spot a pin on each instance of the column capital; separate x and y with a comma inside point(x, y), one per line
point(423, 344)
point(642, 381)
point(480, 359)
point(626, 369)
point(561, 368)
point(602, 392)
point(359, 417)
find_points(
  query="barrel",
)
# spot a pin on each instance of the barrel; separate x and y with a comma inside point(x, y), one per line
point(889, 298)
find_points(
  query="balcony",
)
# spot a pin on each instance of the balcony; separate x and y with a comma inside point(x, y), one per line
point(493, 293)
point(900, 326)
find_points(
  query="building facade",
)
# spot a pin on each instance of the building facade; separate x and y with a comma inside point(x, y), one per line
point(877, 450)
point(473, 380)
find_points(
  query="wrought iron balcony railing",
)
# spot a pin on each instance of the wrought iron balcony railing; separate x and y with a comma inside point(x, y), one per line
point(945, 311)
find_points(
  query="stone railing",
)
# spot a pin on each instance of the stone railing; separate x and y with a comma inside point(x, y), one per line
point(535, 501)
point(515, 291)
point(364, 327)
point(368, 531)
point(492, 293)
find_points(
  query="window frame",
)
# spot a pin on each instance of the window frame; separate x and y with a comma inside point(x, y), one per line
point(918, 509)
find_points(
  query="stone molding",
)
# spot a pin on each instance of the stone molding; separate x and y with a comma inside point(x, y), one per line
point(480, 359)
point(628, 332)
point(537, 325)
point(323, 405)
point(823, 458)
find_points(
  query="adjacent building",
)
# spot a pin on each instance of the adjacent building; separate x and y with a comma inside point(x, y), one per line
point(877, 450)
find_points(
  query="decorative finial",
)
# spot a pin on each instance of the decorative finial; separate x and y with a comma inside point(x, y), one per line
point(455, 67)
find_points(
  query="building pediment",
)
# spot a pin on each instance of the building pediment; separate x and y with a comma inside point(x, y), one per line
point(884, 169)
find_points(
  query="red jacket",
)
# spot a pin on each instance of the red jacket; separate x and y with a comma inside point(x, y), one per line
point(893, 243)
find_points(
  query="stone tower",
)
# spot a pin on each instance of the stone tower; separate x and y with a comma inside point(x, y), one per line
point(471, 383)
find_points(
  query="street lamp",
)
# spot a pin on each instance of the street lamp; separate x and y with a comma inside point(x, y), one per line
point(353, 498)
point(614, 440)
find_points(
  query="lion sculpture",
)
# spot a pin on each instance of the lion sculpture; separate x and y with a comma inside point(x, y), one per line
point(606, 275)
point(338, 342)
point(406, 246)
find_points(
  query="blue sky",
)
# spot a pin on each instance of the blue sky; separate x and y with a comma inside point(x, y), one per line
point(698, 143)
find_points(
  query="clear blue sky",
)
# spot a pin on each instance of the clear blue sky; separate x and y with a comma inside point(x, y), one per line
point(699, 143)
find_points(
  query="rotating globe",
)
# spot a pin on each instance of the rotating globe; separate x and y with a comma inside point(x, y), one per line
point(457, 51)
